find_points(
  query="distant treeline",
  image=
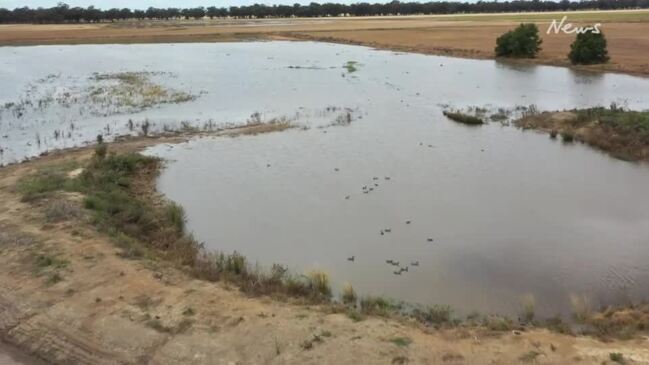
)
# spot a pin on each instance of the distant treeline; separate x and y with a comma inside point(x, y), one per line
point(63, 13)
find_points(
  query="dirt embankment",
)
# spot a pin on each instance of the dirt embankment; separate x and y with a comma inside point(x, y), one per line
point(472, 36)
point(622, 134)
point(68, 295)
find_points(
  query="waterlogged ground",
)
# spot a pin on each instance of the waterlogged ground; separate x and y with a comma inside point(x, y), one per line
point(480, 217)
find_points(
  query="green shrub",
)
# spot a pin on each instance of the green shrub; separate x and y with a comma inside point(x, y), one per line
point(616, 357)
point(435, 314)
point(524, 41)
point(101, 150)
point(176, 216)
point(401, 341)
point(379, 306)
point(463, 118)
point(589, 48)
point(319, 283)
point(567, 137)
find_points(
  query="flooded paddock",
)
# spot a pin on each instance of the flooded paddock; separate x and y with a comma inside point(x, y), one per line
point(481, 217)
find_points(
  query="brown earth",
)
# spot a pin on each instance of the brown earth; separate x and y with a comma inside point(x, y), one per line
point(471, 36)
point(91, 306)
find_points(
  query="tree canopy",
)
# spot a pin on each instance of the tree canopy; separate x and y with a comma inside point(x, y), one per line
point(589, 48)
point(62, 13)
point(524, 41)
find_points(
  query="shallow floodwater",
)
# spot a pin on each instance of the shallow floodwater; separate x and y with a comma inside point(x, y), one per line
point(510, 213)
point(64, 96)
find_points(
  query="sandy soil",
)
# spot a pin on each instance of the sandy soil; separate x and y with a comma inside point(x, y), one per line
point(105, 309)
point(465, 36)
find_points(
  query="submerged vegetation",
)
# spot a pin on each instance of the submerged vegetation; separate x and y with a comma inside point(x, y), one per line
point(351, 66)
point(463, 118)
point(133, 91)
point(620, 132)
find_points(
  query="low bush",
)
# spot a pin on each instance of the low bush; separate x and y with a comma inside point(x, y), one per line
point(463, 118)
point(523, 42)
point(589, 48)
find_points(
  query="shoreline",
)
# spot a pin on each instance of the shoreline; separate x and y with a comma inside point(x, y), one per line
point(101, 296)
point(470, 36)
point(297, 37)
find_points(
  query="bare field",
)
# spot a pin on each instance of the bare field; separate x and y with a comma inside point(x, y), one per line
point(457, 35)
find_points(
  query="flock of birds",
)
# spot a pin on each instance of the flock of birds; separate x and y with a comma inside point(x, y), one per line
point(399, 269)
point(366, 189)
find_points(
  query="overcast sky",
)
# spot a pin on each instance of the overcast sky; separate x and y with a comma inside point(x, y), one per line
point(143, 4)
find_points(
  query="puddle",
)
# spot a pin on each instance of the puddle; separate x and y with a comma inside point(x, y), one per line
point(510, 213)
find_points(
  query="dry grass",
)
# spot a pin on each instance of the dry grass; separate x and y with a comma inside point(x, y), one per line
point(528, 312)
point(621, 322)
point(60, 210)
point(349, 294)
point(260, 128)
point(581, 308)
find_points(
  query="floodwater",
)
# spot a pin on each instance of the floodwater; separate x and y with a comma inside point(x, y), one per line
point(510, 213)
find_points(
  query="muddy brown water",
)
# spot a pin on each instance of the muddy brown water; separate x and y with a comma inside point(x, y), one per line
point(510, 213)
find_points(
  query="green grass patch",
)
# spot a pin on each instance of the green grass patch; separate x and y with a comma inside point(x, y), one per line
point(617, 357)
point(351, 66)
point(434, 314)
point(379, 306)
point(401, 341)
point(46, 181)
point(629, 121)
point(463, 118)
point(50, 262)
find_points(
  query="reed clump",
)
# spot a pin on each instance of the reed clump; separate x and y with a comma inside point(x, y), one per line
point(463, 118)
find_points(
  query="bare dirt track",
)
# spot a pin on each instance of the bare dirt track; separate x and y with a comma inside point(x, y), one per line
point(66, 295)
point(456, 35)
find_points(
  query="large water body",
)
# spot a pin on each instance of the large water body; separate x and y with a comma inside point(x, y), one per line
point(510, 213)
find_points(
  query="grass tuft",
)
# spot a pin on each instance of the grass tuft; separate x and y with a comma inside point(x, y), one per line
point(435, 314)
point(617, 357)
point(401, 341)
point(319, 283)
point(379, 306)
point(463, 118)
point(349, 296)
point(176, 216)
point(529, 308)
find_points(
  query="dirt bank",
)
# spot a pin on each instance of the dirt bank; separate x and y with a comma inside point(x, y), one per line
point(471, 36)
point(621, 133)
point(68, 295)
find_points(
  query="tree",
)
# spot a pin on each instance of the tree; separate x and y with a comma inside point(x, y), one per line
point(524, 41)
point(589, 48)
